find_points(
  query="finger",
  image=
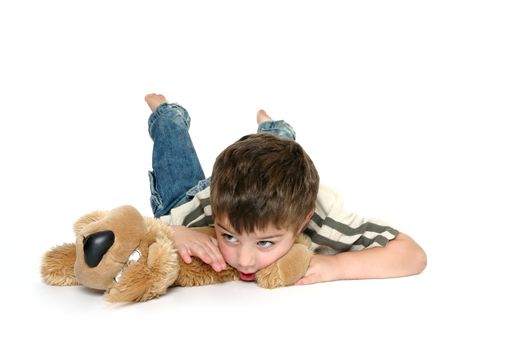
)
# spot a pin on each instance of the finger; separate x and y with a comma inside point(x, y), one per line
point(217, 262)
point(200, 252)
point(214, 241)
point(307, 280)
point(184, 254)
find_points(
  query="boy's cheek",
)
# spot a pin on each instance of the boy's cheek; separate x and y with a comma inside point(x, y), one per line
point(226, 253)
point(270, 258)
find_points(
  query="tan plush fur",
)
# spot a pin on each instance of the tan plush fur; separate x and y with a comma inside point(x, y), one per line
point(157, 267)
point(141, 282)
point(57, 266)
point(88, 219)
point(290, 268)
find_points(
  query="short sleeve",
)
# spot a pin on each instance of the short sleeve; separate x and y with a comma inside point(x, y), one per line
point(333, 227)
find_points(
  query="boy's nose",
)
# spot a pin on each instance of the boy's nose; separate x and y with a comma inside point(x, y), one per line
point(246, 259)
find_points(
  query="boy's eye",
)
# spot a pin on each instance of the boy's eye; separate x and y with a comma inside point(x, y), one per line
point(229, 238)
point(264, 244)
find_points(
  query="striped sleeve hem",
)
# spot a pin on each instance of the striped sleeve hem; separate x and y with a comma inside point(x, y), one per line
point(343, 237)
point(332, 226)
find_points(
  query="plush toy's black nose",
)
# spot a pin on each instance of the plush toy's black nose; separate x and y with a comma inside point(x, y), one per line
point(96, 245)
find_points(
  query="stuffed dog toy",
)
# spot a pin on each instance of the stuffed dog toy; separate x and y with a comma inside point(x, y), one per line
point(132, 258)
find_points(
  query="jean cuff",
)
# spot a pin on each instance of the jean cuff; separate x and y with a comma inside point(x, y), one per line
point(277, 127)
point(172, 111)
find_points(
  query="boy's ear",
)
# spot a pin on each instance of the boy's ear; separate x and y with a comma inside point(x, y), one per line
point(58, 266)
point(305, 222)
point(309, 216)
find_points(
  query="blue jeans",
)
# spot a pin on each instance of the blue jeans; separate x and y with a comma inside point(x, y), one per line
point(177, 174)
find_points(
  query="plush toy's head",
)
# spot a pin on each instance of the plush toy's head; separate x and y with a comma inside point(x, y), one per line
point(117, 251)
point(103, 247)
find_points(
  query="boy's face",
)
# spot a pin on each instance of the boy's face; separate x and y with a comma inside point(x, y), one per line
point(249, 253)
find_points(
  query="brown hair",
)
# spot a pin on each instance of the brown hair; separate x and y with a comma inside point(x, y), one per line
point(263, 179)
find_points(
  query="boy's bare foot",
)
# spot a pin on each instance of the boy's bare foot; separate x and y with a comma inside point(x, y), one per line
point(262, 117)
point(154, 101)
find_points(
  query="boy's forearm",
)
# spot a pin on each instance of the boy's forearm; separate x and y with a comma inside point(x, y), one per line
point(400, 257)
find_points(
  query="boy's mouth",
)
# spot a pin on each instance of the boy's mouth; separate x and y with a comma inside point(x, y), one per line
point(248, 277)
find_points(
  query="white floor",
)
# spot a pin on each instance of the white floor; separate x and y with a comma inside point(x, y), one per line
point(412, 111)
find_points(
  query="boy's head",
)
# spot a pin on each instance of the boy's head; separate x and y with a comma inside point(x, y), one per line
point(263, 192)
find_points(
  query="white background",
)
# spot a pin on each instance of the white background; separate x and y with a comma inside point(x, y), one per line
point(411, 109)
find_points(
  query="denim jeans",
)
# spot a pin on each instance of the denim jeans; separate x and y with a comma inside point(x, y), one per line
point(177, 174)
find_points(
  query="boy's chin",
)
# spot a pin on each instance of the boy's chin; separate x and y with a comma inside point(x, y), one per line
point(247, 277)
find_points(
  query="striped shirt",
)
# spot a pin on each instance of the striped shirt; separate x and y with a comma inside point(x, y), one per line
point(331, 228)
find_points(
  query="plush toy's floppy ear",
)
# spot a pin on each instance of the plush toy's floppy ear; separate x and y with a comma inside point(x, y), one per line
point(58, 266)
point(87, 219)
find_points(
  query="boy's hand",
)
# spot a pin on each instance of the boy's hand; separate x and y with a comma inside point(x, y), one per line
point(192, 243)
point(323, 268)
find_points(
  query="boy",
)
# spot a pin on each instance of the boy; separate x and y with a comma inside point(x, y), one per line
point(264, 191)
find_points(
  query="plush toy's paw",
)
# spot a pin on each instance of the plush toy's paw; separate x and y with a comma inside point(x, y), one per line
point(149, 277)
point(287, 270)
point(58, 266)
point(198, 273)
